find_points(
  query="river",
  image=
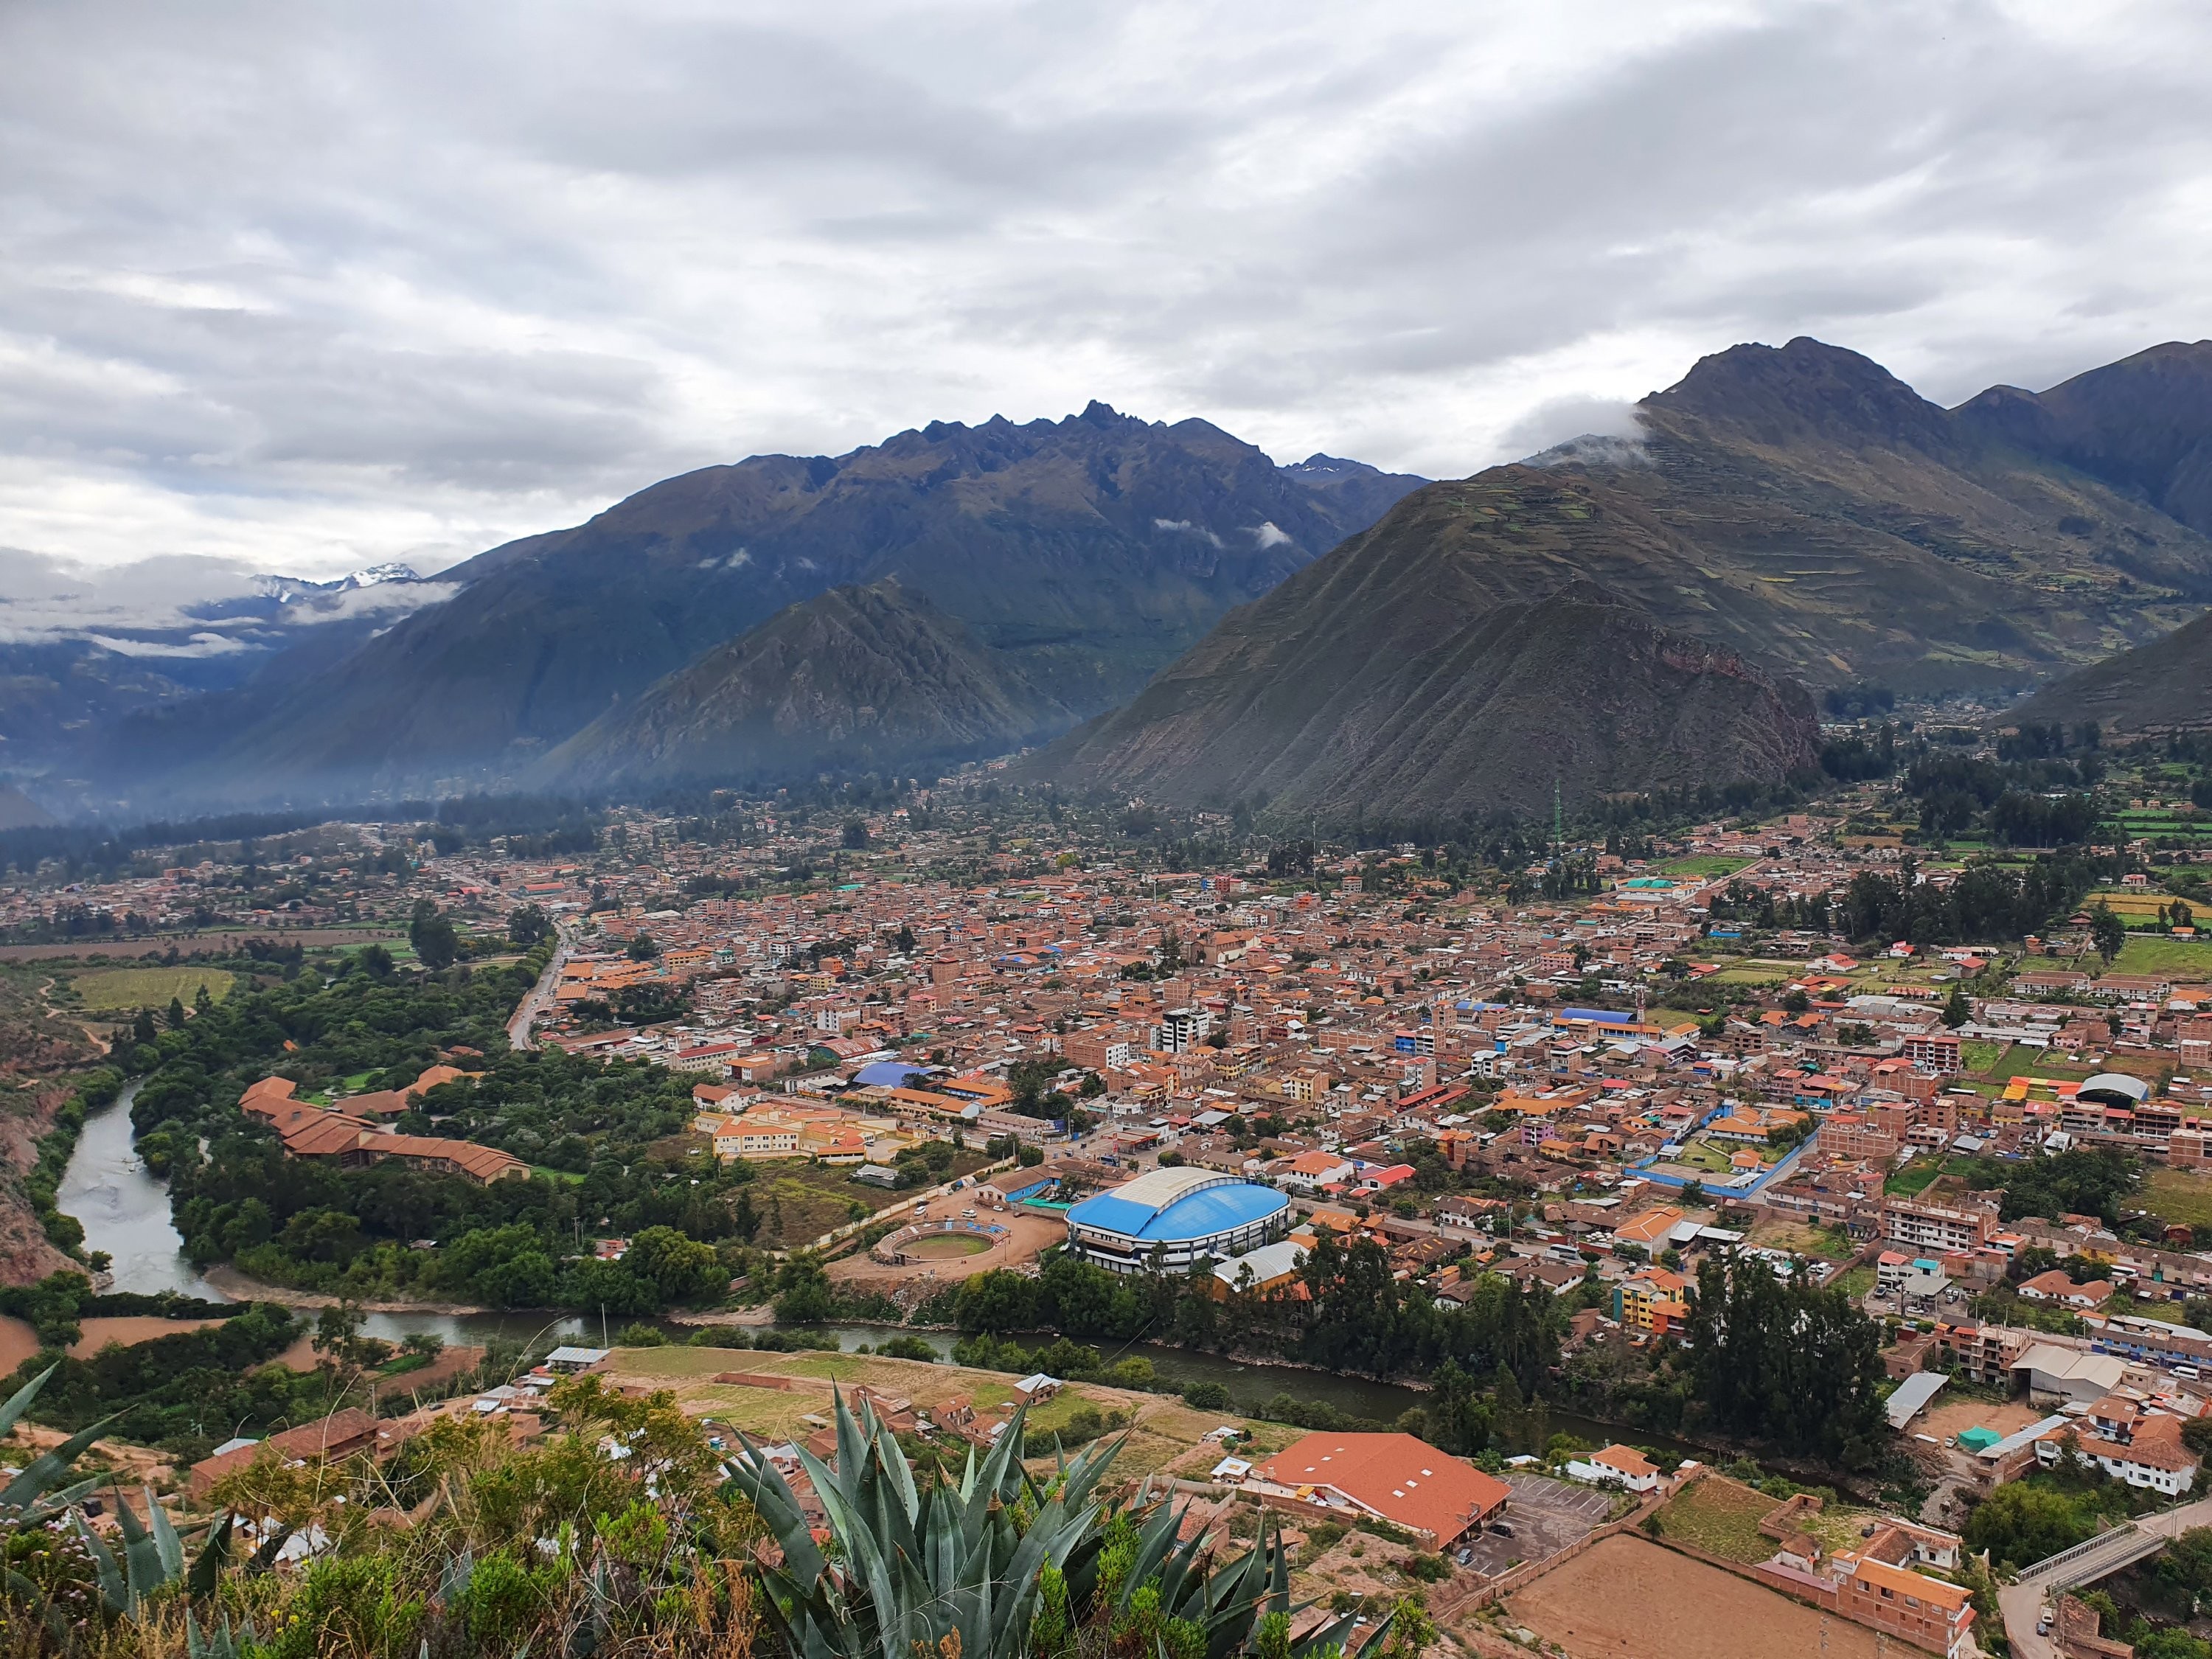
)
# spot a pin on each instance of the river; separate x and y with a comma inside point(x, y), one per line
point(125, 1212)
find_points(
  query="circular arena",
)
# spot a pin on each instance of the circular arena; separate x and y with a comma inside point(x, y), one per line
point(1166, 1220)
point(936, 1240)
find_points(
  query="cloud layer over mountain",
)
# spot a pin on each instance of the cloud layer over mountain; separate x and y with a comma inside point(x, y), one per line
point(177, 606)
point(307, 289)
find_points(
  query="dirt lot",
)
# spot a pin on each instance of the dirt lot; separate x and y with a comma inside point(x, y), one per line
point(1545, 1516)
point(1945, 1417)
point(1027, 1235)
point(1627, 1597)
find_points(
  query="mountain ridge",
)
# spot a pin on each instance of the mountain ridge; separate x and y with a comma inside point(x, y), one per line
point(1797, 509)
point(2164, 686)
point(1094, 548)
point(853, 679)
point(1438, 719)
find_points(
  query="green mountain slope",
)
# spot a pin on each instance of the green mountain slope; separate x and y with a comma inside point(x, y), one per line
point(1439, 707)
point(2144, 424)
point(1797, 511)
point(856, 677)
point(2167, 684)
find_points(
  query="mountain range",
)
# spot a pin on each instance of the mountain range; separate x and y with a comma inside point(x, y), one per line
point(1796, 514)
point(1618, 613)
point(1091, 551)
point(82, 650)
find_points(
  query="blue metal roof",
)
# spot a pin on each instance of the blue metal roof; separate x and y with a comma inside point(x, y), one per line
point(1194, 1215)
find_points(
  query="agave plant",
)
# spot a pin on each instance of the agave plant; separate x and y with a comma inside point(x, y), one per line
point(951, 1569)
point(945, 1566)
point(153, 1556)
point(219, 1641)
point(36, 1496)
point(1226, 1603)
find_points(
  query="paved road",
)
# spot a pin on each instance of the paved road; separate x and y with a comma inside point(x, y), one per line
point(2022, 1603)
point(541, 995)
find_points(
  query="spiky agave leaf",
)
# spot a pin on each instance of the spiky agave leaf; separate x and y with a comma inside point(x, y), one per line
point(918, 1564)
point(1333, 1634)
point(214, 1557)
point(145, 1561)
point(114, 1588)
point(20, 1401)
point(32, 1491)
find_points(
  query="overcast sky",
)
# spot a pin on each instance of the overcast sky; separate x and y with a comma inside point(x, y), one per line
point(313, 286)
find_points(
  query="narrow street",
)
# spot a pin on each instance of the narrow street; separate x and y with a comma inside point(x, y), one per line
point(541, 995)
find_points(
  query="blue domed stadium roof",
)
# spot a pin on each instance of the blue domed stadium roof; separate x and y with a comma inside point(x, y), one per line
point(1169, 1207)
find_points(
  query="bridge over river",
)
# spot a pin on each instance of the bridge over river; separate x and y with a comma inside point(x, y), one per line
point(2022, 1602)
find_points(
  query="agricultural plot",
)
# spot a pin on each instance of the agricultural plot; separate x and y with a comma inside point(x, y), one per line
point(2179, 1197)
point(1703, 866)
point(126, 990)
point(2154, 953)
point(1627, 1596)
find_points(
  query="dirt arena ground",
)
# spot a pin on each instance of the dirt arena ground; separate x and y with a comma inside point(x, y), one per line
point(17, 1343)
point(1027, 1237)
point(1627, 1599)
point(948, 1247)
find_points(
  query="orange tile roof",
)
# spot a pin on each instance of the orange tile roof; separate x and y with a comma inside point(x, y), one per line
point(1650, 1227)
point(1629, 1461)
point(1398, 1477)
point(1951, 1598)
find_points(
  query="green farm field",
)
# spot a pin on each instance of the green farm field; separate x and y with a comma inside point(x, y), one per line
point(1701, 864)
point(2154, 953)
point(2176, 1195)
point(126, 990)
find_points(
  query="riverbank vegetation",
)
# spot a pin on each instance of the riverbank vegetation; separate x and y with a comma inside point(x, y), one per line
point(1775, 1364)
point(599, 1135)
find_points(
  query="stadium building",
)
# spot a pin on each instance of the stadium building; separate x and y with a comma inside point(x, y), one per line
point(1168, 1219)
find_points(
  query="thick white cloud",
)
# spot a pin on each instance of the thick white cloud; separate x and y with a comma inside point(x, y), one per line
point(307, 288)
point(180, 605)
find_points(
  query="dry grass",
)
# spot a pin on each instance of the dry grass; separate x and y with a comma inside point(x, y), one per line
point(1164, 1434)
point(2178, 1196)
point(1721, 1516)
